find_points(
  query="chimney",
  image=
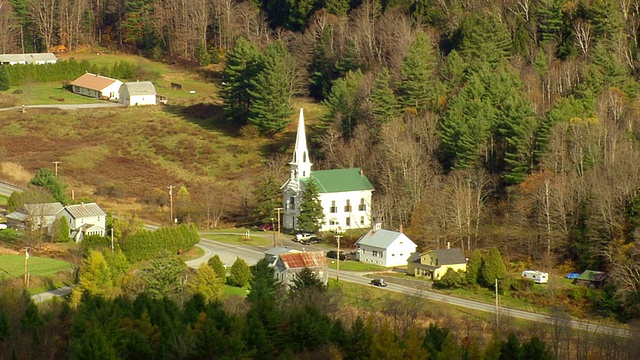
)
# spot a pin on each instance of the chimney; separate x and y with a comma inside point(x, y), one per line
point(361, 173)
point(377, 226)
point(448, 245)
point(400, 229)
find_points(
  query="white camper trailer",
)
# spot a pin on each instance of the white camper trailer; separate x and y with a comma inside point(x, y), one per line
point(538, 277)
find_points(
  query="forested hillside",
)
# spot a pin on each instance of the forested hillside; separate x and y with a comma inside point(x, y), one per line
point(509, 123)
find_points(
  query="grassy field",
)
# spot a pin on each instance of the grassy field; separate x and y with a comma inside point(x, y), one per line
point(13, 266)
point(240, 239)
point(355, 266)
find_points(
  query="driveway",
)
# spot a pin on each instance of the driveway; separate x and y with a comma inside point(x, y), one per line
point(67, 106)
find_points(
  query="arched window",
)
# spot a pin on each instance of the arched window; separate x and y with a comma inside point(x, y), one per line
point(304, 156)
point(294, 156)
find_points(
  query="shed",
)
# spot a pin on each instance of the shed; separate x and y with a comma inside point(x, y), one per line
point(32, 58)
point(138, 93)
point(289, 264)
point(591, 278)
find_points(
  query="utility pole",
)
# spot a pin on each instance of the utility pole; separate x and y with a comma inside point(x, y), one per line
point(278, 210)
point(112, 239)
point(26, 266)
point(338, 258)
point(56, 167)
point(171, 202)
point(273, 232)
point(497, 316)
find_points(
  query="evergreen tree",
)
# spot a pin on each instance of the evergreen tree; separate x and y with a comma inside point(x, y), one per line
point(418, 83)
point(61, 231)
point(321, 74)
point(269, 198)
point(511, 349)
point(164, 277)
point(384, 104)
point(5, 82)
point(492, 268)
point(473, 267)
point(311, 214)
point(240, 274)
point(218, 266)
point(46, 179)
point(453, 69)
point(263, 319)
point(271, 90)
point(241, 67)
point(206, 283)
point(485, 40)
point(536, 349)
point(94, 278)
point(343, 104)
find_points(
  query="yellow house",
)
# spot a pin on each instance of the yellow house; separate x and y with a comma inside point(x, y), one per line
point(433, 264)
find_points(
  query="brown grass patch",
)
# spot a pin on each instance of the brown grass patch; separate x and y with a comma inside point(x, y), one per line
point(15, 172)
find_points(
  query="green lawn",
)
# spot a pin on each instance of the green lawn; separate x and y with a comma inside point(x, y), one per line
point(3, 200)
point(13, 266)
point(235, 291)
point(355, 266)
point(240, 239)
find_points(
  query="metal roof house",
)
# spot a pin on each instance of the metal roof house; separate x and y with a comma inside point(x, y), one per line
point(384, 247)
point(435, 263)
point(289, 264)
point(272, 254)
point(345, 194)
point(138, 93)
point(85, 219)
point(34, 216)
point(33, 58)
point(96, 86)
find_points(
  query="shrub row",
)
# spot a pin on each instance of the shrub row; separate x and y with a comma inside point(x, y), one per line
point(145, 245)
point(69, 70)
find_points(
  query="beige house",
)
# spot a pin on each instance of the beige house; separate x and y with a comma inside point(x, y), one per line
point(97, 86)
point(434, 264)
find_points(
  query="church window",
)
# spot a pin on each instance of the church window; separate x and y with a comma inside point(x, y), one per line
point(348, 221)
point(347, 208)
point(292, 203)
point(361, 220)
point(304, 174)
point(294, 156)
point(334, 208)
point(362, 206)
point(304, 156)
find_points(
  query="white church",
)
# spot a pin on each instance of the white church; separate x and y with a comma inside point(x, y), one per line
point(345, 194)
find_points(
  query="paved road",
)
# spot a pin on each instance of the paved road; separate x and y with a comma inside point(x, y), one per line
point(7, 189)
point(48, 295)
point(66, 106)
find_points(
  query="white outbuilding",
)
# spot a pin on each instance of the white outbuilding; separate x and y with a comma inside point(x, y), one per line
point(138, 93)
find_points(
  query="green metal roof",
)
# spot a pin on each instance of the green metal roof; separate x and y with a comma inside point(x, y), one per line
point(588, 275)
point(340, 180)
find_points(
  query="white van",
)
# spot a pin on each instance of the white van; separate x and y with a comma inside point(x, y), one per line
point(538, 277)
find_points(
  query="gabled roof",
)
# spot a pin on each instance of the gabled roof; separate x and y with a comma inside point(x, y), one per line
point(381, 238)
point(28, 58)
point(275, 251)
point(415, 257)
point(588, 275)
point(45, 209)
point(302, 260)
point(84, 210)
point(139, 88)
point(340, 180)
point(93, 81)
point(448, 256)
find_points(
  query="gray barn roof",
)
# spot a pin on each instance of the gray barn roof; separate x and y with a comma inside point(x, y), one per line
point(140, 88)
point(379, 238)
point(45, 209)
point(27, 58)
point(448, 256)
point(85, 210)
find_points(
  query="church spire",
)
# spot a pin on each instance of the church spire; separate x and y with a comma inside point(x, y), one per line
point(301, 164)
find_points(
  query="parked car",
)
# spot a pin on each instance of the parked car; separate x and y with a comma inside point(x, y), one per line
point(3, 226)
point(332, 254)
point(313, 240)
point(379, 282)
point(266, 227)
point(303, 237)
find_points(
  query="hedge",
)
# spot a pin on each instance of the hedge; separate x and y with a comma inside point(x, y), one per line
point(145, 245)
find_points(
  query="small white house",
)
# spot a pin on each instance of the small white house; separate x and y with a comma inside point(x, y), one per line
point(138, 93)
point(97, 86)
point(384, 247)
point(538, 277)
point(34, 58)
point(85, 219)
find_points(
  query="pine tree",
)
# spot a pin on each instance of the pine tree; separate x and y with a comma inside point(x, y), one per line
point(206, 283)
point(271, 90)
point(5, 82)
point(311, 214)
point(240, 274)
point(473, 267)
point(384, 104)
point(241, 67)
point(418, 83)
point(61, 230)
point(46, 179)
point(343, 104)
point(218, 266)
point(493, 268)
point(94, 278)
point(485, 40)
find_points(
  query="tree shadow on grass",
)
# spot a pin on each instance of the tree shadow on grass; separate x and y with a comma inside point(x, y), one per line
point(207, 116)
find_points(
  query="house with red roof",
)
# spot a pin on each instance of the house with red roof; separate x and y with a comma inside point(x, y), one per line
point(96, 86)
point(289, 264)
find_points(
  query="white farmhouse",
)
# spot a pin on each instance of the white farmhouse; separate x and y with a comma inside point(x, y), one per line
point(96, 86)
point(138, 93)
point(384, 247)
point(85, 219)
point(345, 194)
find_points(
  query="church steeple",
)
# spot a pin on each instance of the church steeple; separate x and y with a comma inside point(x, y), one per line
point(301, 164)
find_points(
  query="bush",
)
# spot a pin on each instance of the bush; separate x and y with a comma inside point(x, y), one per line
point(451, 280)
point(17, 92)
point(521, 285)
point(145, 245)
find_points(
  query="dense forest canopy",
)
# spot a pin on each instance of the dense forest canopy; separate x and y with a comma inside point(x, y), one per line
point(482, 123)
